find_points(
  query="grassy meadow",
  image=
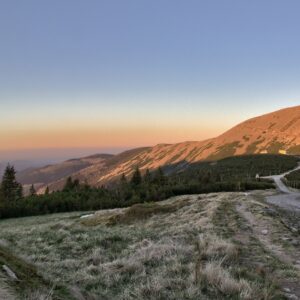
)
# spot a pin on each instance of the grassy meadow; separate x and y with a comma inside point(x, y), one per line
point(186, 247)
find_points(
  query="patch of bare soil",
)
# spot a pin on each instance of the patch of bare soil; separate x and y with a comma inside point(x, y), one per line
point(277, 237)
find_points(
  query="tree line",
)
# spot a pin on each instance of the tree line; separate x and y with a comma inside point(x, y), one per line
point(293, 179)
point(136, 188)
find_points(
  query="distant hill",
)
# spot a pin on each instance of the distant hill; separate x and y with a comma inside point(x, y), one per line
point(277, 132)
point(86, 169)
point(51, 173)
point(20, 165)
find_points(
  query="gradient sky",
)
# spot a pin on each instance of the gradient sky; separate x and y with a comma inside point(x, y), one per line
point(126, 73)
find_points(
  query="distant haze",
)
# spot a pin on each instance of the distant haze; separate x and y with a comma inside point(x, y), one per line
point(44, 156)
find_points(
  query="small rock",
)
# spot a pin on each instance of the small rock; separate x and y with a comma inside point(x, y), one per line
point(295, 243)
point(86, 216)
point(10, 273)
point(287, 290)
point(265, 231)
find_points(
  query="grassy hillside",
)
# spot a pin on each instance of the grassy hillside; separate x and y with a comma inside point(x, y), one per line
point(187, 247)
point(230, 174)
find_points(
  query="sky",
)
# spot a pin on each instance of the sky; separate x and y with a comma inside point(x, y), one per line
point(113, 74)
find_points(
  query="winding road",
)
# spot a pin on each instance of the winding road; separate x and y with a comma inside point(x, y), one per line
point(287, 198)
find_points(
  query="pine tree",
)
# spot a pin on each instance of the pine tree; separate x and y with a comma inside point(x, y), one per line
point(32, 191)
point(136, 178)
point(76, 185)
point(123, 181)
point(159, 177)
point(124, 188)
point(69, 184)
point(2, 201)
point(47, 190)
point(123, 178)
point(147, 177)
point(11, 190)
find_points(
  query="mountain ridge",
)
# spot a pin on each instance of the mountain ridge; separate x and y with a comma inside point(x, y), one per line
point(275, 132)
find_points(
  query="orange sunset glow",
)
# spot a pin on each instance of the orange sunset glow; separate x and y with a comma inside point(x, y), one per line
point(126, 137)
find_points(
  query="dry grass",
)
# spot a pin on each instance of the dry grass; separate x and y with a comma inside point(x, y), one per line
point(6, 293)
point(132, 214)
point(211, 272)
point(153, 257)
point(149, 253)
point(39, 295)
point(213, 247)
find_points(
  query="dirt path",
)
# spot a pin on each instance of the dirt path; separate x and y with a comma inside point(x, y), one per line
point(287, 201)
point(286, 198)
point(277, 179)
point(262, 230)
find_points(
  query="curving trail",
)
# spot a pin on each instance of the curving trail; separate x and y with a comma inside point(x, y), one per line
point(287, 198)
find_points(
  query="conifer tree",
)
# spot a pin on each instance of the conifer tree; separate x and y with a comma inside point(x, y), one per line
point(32, 191)
point(47, 190)
point(159, 177)
point(124, 188)
point(123, 179)
point(136, 178)
point(69, 184)
point(147, 177)
point(11, 190)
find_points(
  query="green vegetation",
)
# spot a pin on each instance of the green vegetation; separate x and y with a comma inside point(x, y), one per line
point(237, 169)
point(30, 284)
point(230, 174)
point(225, 151)
point(11, 190)
point(275, 146)
point(251, 148)
point(140, 211)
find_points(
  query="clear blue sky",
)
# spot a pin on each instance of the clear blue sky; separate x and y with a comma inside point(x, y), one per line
point(135, 72)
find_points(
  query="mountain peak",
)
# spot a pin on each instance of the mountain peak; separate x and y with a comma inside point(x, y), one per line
point(276, 132)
